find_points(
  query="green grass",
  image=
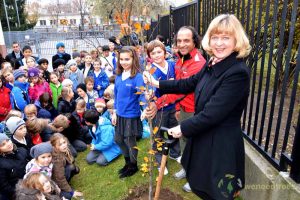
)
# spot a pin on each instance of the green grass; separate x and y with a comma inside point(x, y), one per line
point(101, 183)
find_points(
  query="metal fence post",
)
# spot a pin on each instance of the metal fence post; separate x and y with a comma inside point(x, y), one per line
point(295, 166)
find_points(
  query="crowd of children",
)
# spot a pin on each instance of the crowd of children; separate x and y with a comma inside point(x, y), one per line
point(89, 101)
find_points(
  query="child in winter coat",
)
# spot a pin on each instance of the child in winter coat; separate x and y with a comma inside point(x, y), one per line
point(61, 54)
point(44, 106)
point(8, 78)
point(59, 68)
point(82, 93)
point(5, 105)
point(87, 67)
point(43, 65)
point(103, 147)
point(20, 138)
point(101, 108)
point(38, 86)
point(74, 74)
point(64, 167)
point(66, 103)
point(55, 87)
point(12, 166)
point(100, 78)
point(42, 159)
point(37, 186)
point(83, 128)
point(89, 82)
point(19, 95)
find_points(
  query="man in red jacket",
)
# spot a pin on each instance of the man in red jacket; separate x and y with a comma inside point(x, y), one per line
point(189, 63)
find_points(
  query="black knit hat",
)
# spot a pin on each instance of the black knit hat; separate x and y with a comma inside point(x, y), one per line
point(58, 62)
point(42, 60)
point(81, 86)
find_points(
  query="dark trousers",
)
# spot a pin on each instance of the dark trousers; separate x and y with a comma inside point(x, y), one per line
point(166, 118)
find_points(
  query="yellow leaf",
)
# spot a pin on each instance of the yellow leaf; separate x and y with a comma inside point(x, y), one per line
point(146, 159)
point(159, 148)
point(136, 148)
point(151, 152)
point(138, 93)
point(155, 130)
point(142, 103)
point(142, 88)
point(147, 27)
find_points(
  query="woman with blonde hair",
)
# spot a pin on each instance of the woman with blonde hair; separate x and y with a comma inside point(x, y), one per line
point(214, 156)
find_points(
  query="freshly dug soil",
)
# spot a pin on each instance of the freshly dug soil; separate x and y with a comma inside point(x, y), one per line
point(141, 193)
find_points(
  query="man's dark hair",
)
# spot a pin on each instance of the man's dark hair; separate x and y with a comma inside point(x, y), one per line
point(196, 37)
point(91, 116)
point(160, 38)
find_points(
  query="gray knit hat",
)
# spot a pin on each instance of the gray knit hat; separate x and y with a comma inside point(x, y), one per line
point(39, 149)
point(13, 123)
point(3, 137)
point(70, 63)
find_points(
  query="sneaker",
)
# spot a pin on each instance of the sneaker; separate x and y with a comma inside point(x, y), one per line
point(180, 175)
point(178, 159)
point(187, 188)
point(165, 172)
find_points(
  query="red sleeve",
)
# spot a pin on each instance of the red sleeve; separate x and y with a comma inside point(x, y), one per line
point(168, 99)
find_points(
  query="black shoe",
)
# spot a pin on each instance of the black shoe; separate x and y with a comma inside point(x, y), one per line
point(123, 169)
point(132, 169)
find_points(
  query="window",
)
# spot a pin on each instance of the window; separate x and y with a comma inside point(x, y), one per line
point(53, 22)
point(73, 21)
point(43, 22)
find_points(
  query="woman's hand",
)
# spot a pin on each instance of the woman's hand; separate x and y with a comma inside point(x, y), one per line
point(175, 132)
point(150, 80)
point(151, 110)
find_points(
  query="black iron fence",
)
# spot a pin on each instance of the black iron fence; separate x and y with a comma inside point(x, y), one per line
point(271, 121)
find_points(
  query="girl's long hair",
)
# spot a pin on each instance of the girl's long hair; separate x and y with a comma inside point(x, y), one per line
point(135, 68)
point(54, 140)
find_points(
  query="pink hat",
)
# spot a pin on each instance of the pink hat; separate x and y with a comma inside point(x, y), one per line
point(100, 102)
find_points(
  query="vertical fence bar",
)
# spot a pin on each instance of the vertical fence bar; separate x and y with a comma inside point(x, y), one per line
point(248, 17)
point(267, 87)
point(295, 166)
point(291, 108)
point(253, 69)
point(278, 63)
point(286, 74)
point(260, 82)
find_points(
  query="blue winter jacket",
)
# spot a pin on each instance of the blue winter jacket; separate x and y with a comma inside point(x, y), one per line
point(101, 80)
point(19, 97)
point(103, 139)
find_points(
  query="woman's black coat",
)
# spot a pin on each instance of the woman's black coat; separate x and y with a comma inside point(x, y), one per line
point(214, 154)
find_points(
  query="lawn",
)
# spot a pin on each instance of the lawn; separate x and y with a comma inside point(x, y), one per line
point(101, 183)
